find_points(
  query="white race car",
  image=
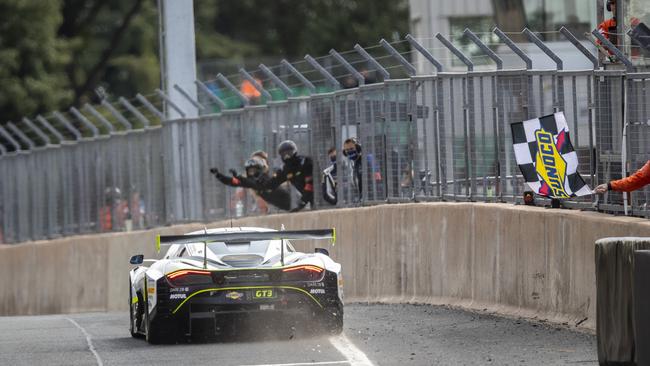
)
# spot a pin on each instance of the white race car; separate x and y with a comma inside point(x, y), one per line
point(210, 278)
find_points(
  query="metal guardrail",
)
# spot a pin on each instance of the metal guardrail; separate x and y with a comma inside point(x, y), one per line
point(122, 166)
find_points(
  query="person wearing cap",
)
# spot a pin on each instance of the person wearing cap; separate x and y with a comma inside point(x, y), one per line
point(298, 170)
point(257, 178)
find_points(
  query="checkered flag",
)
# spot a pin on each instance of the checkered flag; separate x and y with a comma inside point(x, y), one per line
point(546, 157)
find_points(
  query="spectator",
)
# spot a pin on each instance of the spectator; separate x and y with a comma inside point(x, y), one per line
point(352, 150)
point(137, 209)
point(114, 212)
point(635, 181)
point(297, 169)
point(250, 91)
point(257, 178)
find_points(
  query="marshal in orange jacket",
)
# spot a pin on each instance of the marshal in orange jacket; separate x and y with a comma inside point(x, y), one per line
point(633, 182)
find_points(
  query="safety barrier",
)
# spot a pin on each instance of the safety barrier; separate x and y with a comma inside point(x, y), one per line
point(442, 137)
point(513, 260)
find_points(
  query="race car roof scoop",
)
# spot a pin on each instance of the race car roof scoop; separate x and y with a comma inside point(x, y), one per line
point(245, 260)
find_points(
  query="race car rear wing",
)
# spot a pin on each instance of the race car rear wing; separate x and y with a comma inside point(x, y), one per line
point(249, 236)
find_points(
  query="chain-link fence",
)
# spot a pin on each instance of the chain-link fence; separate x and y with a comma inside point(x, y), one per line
point(421, 138)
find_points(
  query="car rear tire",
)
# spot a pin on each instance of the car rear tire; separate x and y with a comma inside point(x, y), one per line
point(157, 333)
point(133, 314)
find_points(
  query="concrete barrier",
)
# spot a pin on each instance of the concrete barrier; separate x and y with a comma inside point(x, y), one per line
point(513, 260)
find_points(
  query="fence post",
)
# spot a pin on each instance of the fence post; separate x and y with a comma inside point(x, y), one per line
point(610, 46)
point(150, 107)
point(424, 52)
point(366, 56)
point(538, 42)
point(169, 102)
point(119, 116)
point(232, 88)
point(486, 50)
point(64, 121)
point(45, 138)
point(75, 112)
point(50, 128)
point(255, 84)
point(90, 109)
point(210, 94)
point(575, 42)
point(331, 79)
point(134, 111)
point(518, 51)
point(461, 56)
point(299, 76)
point(10, 139)
point(357, 75)
point(21, 135)
point(276, 80)
point(185, 95)
point(396, 55)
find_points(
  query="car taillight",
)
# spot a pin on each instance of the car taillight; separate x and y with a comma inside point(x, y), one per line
point(187, 277)
point(303, 273)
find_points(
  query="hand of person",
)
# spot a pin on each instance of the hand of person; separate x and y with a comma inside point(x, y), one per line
point(300, 206)
point(233, 172)
point(214, 171)
point(377, 176)
point(601, 188)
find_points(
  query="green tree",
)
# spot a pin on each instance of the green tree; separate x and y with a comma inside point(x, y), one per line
point(115, 46)
point(292, 28)
point(32, 58)
point(55, 53)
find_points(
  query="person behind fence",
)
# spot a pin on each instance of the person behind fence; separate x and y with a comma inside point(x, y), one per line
point(298, 170)
point(353, 151)
point(257, 178)
point(113, 214)
point(328, 182)
point(635, 181)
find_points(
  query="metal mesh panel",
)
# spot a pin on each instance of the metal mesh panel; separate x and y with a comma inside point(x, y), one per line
point(426, 157)
point(637, 137)
point(322, 137)
point(442, 137)
point(609, 134)
point(346, 119)
point(484, 131)
point(512, 97)
point(396, 164)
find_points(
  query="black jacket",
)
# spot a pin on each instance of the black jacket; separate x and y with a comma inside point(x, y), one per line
point(299, 170)
point(278, 197)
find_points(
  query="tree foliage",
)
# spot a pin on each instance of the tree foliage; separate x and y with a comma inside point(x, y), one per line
point(55, 53)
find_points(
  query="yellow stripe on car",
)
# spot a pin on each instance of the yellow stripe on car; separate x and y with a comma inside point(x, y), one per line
point(245, 288)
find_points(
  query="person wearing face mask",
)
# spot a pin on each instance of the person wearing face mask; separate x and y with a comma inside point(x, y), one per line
point(298, 170)
point(352, 151)
point(257, 178)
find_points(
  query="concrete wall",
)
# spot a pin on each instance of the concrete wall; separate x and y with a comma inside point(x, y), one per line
point(514, 260)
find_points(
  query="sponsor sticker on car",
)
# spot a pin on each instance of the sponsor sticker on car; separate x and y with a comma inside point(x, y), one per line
point(264, 294)
point(234, 295)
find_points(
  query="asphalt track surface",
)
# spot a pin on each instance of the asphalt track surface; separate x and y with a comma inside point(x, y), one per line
point(373, 335)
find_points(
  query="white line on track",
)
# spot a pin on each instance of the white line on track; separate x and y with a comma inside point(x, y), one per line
point(88, 340)
point(355, 356)
point(324, 363)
